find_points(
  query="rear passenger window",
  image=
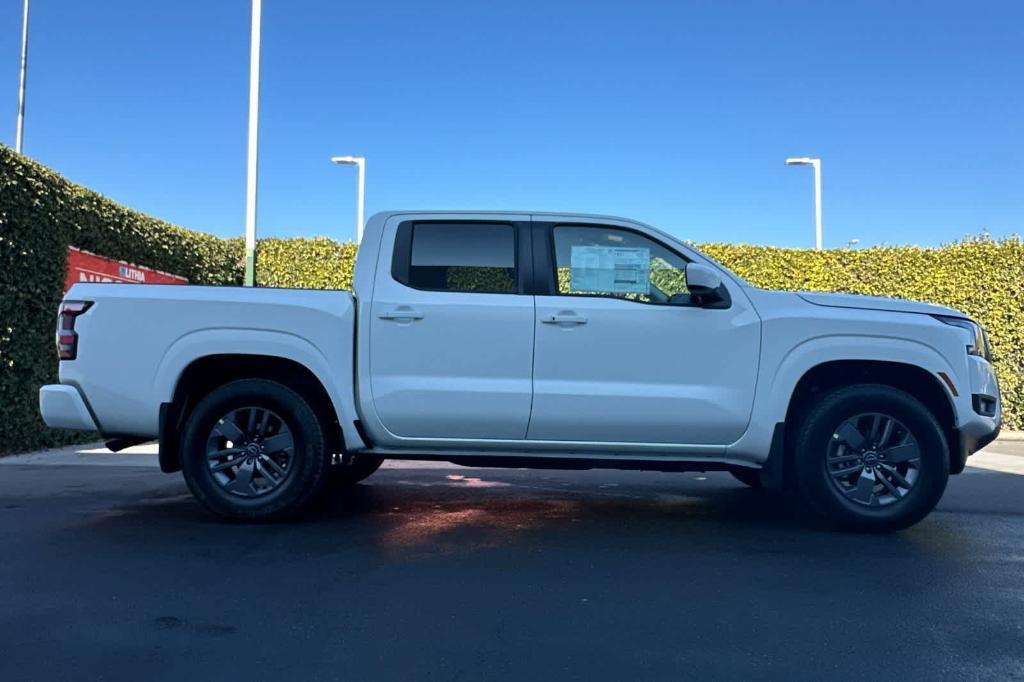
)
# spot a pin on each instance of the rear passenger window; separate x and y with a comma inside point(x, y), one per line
point(468, 257)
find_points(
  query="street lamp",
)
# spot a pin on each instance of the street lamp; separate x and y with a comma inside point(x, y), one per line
point(360, 163)
point(816, 163)
point(19, 133)
point(251, 162)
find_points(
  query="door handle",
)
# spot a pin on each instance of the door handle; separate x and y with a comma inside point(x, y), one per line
point(565, 318)
point(402, 313)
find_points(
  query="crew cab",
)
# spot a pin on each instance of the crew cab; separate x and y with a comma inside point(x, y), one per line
point(530, 340)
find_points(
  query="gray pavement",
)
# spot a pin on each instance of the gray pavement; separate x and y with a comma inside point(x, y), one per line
point(109, 570)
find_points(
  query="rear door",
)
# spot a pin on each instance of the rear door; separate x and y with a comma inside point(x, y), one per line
point(621, 353)
point(451, 337)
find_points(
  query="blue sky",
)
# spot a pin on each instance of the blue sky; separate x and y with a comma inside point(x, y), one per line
point(678, 113)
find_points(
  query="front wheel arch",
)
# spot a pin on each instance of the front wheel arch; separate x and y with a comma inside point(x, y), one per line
point(829, 376)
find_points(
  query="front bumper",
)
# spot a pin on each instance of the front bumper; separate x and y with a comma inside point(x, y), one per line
point(62, 407)
point(975, 432)
point(980, 414)
point(967, 444)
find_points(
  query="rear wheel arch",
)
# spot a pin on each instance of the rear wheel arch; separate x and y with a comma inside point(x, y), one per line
point(254, 449)
point(206, 373)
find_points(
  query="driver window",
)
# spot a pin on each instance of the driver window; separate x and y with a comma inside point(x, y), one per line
point(609, 261)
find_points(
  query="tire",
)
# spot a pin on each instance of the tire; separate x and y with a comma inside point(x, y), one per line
point(840, 434)
point(237, 481)
point(359, 468)
point(748, 477)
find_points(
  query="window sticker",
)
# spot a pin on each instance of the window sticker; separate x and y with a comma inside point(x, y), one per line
point(610, 269)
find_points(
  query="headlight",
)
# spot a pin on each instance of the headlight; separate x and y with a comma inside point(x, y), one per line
point(979, 342)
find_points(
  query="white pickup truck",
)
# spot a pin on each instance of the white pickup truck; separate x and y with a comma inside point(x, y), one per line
point(530, 340)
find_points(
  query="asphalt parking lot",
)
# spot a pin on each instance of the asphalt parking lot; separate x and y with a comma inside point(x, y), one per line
point(109, 570)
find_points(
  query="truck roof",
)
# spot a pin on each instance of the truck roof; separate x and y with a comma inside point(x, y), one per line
point(525, 214)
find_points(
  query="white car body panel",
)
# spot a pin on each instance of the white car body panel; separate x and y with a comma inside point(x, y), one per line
point(470, 354)
point(798, 337)
point(636, 372)
point(478, 373)
point(897, 305)
point(135, 343)
point(65, 409)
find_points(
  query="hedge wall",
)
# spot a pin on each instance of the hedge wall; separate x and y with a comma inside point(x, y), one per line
point(982, 277)
point(318, 263)
point(41, 214)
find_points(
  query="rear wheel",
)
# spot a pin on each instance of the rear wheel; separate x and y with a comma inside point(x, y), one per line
point(871, 457)
point(254, 450)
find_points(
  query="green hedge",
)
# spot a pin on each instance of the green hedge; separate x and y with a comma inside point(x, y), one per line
point(980, 276)
point(41, 214)
point(318, 263)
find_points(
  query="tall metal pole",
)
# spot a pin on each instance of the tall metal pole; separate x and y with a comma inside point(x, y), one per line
point(816, 164)
point(360, 163)
point(361, 200)
point(250, 177)
point(19, 134)
point(817, 204)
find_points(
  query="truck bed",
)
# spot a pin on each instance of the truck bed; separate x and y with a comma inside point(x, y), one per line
point(135, 340)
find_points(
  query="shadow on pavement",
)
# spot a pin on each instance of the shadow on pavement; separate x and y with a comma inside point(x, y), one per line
point(410, 513)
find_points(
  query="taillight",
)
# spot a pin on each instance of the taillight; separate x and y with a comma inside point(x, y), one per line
point(67, 338)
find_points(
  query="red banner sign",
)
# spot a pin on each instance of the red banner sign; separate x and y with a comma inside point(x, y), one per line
point(88, 267)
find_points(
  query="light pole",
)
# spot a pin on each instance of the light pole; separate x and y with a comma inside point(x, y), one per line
point(19, 133)
point(816, 163)
point(250, 173)
point(360, 163)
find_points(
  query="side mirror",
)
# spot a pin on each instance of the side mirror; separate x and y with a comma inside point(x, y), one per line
point(704, 283)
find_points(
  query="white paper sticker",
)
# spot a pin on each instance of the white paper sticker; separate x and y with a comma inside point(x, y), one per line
point(610, 269)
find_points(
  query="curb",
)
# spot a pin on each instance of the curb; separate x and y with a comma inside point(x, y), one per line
point(1010, 436)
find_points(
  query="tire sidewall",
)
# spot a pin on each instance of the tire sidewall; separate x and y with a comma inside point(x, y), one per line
point(309, 463)
point(817, 487)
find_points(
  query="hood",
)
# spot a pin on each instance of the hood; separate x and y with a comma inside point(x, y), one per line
point(896, 305)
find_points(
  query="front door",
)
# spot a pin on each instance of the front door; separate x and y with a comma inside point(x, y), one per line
point(451, 333)
point(623, 356)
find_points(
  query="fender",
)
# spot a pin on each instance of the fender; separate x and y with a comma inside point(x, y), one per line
point(779, 378)
point(816, 351)
point(243, 341)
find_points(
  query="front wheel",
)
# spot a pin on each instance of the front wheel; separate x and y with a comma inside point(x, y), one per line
point(254, 450)
point(871, 457)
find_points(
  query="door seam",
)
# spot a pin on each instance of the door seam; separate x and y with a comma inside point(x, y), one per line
point(533, 370)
